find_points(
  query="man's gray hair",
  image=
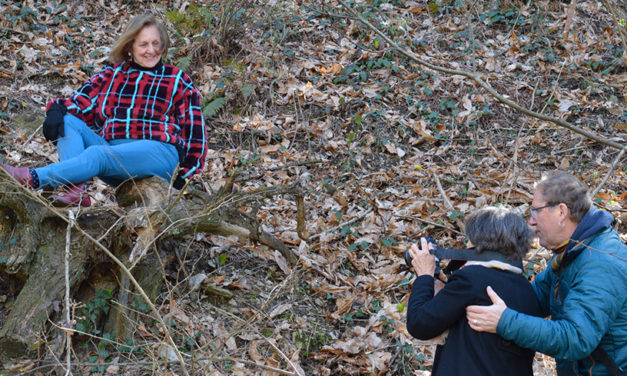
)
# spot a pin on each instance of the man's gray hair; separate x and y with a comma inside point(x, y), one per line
point(499, 230)
point(561, 187)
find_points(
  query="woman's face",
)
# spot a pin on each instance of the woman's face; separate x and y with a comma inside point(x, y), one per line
point(147, 47)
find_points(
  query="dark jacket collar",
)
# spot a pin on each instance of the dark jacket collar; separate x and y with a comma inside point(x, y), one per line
point(593, 222)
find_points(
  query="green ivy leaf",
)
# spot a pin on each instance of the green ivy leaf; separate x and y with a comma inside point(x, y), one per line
point(389, 242)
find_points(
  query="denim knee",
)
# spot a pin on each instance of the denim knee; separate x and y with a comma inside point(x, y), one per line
point(98, 158)
point(73, 122)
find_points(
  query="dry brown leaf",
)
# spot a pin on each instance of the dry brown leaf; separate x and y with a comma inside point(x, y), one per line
point(390, 148)
point(281, 308)
point(282, 262)
point(414, 9)
point(340, 198)
point(379, 360)
point(343, 306)
point(335, 69)
point(253, 352)
point(564, 164)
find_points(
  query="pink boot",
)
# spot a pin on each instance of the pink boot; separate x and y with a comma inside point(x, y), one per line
point(21, 174)
point(74, 196)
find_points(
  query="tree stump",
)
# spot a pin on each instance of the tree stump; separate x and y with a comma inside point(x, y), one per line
point(33, 240)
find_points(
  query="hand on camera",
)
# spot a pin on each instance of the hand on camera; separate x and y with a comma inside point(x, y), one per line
point(422, 261)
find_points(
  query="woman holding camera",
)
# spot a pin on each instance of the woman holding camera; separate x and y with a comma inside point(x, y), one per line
point(467, 352)
point(136, 118)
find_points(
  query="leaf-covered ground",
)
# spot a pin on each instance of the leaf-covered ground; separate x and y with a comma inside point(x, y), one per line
point(387, 150)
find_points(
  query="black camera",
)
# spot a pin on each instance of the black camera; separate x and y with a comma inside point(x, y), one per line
point(458, 257)
point(430, 240)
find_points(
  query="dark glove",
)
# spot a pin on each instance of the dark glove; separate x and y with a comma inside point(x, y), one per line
point(178, 183)
point(53, 125)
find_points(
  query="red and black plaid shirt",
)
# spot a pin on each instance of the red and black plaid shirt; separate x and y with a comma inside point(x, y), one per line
point(127, 101)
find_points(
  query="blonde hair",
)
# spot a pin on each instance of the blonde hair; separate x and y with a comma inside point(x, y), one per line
point(121, 50)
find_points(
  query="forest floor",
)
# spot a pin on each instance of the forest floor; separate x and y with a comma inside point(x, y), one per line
point(387, 149)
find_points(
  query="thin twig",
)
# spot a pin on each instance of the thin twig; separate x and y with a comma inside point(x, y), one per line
point(555, 86)
point(515, 161)
point(288, 360)
point(68, 323)
point(301, 229)
point(475, 77)
point(32, 135)
point(609, 172)
point(447, 202)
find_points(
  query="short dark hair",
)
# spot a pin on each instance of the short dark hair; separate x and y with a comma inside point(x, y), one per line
point(561, 187)
point(497, 229)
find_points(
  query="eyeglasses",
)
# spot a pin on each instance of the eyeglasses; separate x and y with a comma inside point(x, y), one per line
point(533, 210)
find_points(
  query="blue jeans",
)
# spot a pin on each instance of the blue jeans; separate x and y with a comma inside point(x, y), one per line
point(84, 154)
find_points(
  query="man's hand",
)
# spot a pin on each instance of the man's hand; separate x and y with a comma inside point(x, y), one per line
point(422, 261)
point(486, 318)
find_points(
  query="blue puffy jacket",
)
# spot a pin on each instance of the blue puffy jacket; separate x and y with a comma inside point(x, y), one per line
point(586, 301)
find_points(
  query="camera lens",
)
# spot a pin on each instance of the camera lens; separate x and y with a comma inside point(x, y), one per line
point(408, 258)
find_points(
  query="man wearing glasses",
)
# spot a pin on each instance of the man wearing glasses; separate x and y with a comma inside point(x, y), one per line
point(584, 291)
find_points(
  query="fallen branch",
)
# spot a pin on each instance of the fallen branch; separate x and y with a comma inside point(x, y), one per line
point(475, 77)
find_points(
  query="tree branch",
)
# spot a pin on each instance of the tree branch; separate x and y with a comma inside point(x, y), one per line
point(475, 77)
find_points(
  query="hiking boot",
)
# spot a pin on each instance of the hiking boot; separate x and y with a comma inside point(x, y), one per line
point(74, 196)
point(21, 174)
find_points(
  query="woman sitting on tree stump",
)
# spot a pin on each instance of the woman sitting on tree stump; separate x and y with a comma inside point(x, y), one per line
point(136, 118)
